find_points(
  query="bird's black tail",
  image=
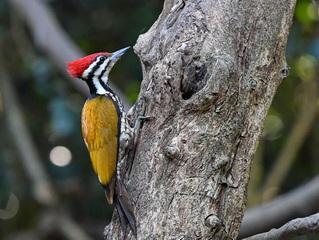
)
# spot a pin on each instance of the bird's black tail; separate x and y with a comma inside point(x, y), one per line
point(124, 208)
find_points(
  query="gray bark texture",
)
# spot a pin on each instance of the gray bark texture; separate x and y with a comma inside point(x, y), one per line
point(210, 72)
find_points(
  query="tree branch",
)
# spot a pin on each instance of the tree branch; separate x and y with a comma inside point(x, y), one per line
point(299, 226)
point(300, 202)
point(52, 39)
point(210, 71)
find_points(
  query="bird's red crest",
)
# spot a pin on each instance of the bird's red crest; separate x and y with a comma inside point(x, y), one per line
point(77, 67)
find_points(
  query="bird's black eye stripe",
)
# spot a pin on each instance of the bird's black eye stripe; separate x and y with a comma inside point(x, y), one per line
point(104, 70)
point(96, 67)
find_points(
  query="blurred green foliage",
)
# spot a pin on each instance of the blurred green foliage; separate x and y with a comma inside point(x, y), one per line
point(290, 102)
point(52, 108)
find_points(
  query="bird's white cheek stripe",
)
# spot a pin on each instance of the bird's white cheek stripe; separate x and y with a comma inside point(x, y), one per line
point(96, 74)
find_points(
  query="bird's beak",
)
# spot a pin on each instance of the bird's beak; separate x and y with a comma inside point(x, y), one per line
point(116, 55)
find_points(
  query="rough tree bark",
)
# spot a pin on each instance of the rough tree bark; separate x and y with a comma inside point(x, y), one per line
point(211, 69)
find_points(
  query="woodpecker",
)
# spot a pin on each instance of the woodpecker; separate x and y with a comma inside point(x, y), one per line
point(105, 129)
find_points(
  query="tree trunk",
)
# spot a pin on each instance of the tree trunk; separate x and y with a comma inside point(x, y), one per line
point(211, 69)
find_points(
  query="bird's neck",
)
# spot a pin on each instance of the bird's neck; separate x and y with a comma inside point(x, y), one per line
point(98, 86)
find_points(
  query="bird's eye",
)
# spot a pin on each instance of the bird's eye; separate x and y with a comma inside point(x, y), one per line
point(102, 58)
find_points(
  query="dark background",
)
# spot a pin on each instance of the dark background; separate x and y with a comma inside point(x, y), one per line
point(51, 108)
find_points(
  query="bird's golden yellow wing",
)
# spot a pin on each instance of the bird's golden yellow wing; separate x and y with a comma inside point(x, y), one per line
point(100, 129)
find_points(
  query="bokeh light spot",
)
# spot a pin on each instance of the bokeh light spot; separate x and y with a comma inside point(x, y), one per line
point(312, 11)
point(60, 156)
point(306, 12)
point(11, 208)
point(273, 127)
point(306, 67)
